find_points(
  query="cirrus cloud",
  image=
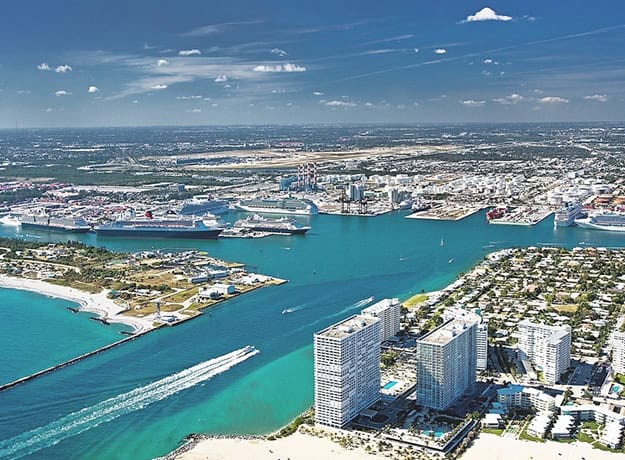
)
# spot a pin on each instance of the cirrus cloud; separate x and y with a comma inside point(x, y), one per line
point(160, 86)
point(339, 104)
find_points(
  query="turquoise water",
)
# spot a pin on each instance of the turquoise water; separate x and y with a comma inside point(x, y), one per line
point(616, 388)
point(56, 335)
point(389, 385)
point(437, 434)
point(342, 261)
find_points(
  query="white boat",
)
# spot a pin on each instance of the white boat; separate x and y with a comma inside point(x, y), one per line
point(281, 206)
point(612, 221)
point(12, 220)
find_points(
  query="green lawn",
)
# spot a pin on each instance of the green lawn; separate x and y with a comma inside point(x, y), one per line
point(497, 431)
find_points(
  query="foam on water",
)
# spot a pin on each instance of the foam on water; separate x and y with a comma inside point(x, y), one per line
point(90, 417)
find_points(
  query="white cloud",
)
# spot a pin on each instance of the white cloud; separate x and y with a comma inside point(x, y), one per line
point(192, 52)
point(553, 100)
point(511, 99)
point(440, 50)
point(184, 98)
point(93, 89)
point(159, 87)
point(597, 98)
point(196, 110)
point(487, 14)
point(490, 61)
point(63, 68)
point(318, 93)
point(473, 103)
point(280, 68)
point(416, 50)
point(135, 101)
point(48, 110)
point(221, 79)
point(279, 52)
point(536, 91)
point(62, 92)
point(161, 62)
point(339, 104)
point(23, 91)
point(43, 66)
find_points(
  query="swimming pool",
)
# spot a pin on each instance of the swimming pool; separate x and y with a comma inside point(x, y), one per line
point(616, 389)
point(390, 384)
point(437, 434)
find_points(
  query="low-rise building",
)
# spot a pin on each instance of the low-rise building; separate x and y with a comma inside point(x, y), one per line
point(526, 398)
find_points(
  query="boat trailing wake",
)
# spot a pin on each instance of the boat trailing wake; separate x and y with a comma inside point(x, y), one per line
point(90, 417)
point(362, 303)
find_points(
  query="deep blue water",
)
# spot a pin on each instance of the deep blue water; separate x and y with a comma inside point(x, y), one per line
point(342, 261)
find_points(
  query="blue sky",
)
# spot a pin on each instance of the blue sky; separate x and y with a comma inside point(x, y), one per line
point(155, 62)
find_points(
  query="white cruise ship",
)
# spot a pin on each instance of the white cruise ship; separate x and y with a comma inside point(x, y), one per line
point(604, 220)
point(566, 215)
point(281, 206)
point(202, 204)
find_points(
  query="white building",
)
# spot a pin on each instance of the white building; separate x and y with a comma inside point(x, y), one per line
point(526, 398)
point(215, 291)
point(482, 345)
point(618, 352)
point(446, 359)
point(347, 369)
point(547, 347)
point(389, 311)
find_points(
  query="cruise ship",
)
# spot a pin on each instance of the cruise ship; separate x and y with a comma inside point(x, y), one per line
point(566, 215)
point(604, 220)
point(149, 226)
point(262, 224)
point(202, 204)
point(55, 224)
point(281, 206)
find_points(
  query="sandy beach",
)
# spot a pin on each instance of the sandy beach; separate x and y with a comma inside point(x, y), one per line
point(493, 447)
point(298, 446)
point(96, 303)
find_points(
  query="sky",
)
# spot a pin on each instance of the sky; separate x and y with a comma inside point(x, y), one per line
point(199, 62)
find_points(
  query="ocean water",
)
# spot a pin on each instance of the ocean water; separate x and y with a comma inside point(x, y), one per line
point(89, 410)
point(38, 331)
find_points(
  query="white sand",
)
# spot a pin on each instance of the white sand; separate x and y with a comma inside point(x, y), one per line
point(96, 303)
point(493, 447)
point(298, 446)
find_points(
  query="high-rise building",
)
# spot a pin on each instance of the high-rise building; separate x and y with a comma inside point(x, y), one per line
point(547, 347)
point(618, 352)
point(446, 361)
point(389, 312)
point(347, 369)
point(482, 345)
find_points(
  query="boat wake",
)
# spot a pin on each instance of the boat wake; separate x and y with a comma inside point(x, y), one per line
point(90, 417)
point(362, 303)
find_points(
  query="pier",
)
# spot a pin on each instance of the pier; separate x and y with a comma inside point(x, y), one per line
point(69, 362)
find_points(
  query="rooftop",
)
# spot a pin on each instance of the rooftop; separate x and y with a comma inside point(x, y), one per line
point(446, 332)
point(348, 327)
point(380, 306)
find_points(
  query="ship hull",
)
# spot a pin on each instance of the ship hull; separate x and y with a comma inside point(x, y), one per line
point(55, 228)
point(297, 212)
point(607, 228)
point(296, 231)
point(208, 234)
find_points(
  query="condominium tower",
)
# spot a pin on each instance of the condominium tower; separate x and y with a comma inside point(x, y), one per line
point(446, 361)
point(347, 369)
point(618, 352)
point(547, 347)
point(388, 310)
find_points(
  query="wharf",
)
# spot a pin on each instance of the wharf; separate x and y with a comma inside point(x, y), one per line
point(446, 213)
point(523, 218)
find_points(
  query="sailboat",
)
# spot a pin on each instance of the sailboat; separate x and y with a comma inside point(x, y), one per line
point(442, 243)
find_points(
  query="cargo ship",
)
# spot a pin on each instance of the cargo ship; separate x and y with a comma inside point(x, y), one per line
point(54, 224)
point(566, 215)
point(280, 206)
point(261, 224)
point(495, 213)
point(149, 226)
point(202, 204)
point(613, 221)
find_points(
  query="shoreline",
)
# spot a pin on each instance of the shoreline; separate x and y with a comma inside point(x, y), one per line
point(98, 303)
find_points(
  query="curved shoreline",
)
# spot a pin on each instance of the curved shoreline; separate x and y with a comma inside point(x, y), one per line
point(98, 303)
